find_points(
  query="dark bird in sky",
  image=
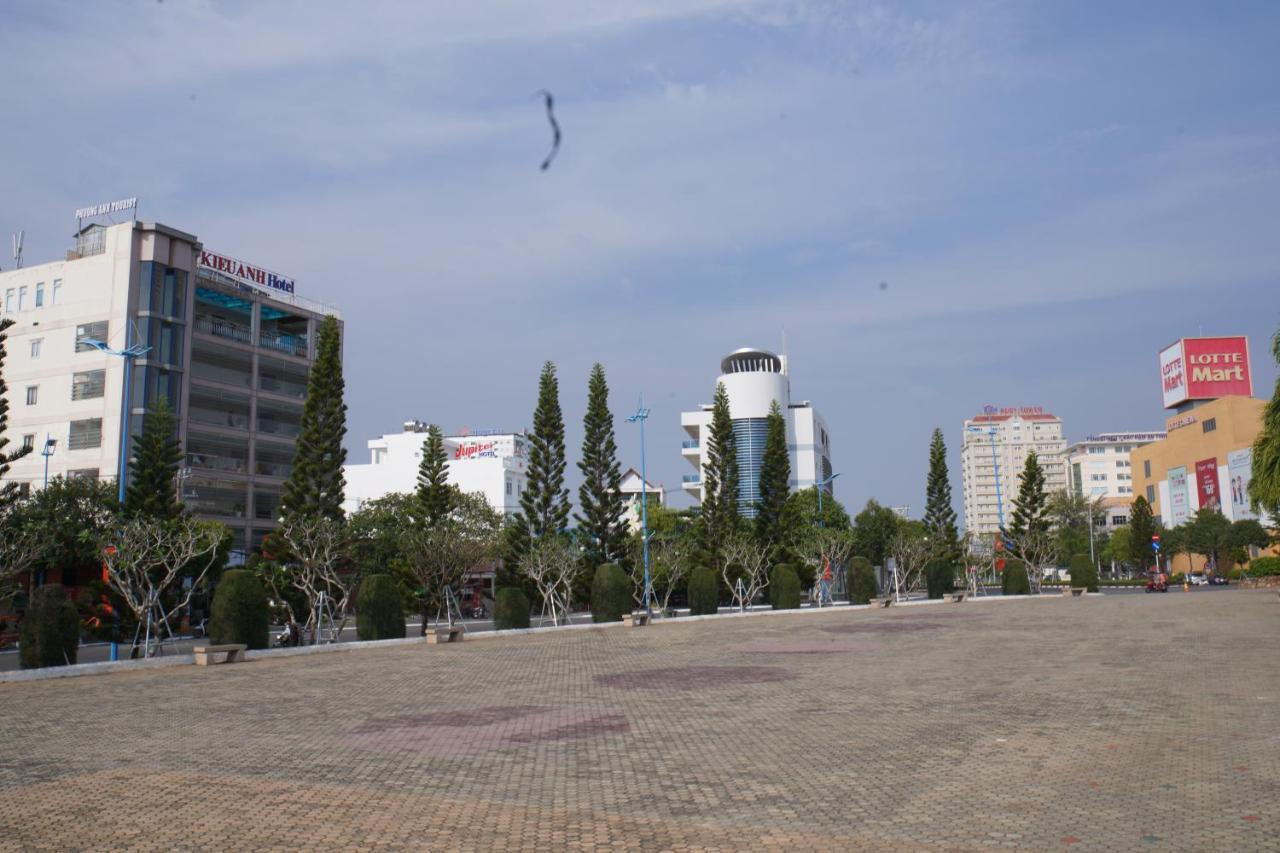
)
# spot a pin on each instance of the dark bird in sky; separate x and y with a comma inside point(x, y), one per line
point(555, 127)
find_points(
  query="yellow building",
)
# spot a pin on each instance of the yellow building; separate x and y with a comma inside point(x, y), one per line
point(1204, 461)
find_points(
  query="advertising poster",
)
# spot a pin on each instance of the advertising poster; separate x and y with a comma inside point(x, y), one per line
point(1179, 500)
point(1239, 470)
point(1207, 484)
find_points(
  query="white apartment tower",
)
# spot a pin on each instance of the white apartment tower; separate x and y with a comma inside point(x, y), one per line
point(226, 343)
point(1098, 468)
point(754, 379)
point(996, 445)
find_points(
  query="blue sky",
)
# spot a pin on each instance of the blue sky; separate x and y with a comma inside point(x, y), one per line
point(1051, 193)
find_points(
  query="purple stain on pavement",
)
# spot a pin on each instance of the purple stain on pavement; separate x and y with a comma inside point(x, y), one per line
point(806, 647)
point(694, 677)
point(896, 627)
point(490, 729)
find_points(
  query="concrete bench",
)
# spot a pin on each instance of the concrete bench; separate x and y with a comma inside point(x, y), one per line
point(231, 652)
point(1073, 591)
point(880, 602)
point(445, 634)
point(953, 597)
point(635, 620)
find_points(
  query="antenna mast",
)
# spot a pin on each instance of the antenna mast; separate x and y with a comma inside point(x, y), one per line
point(17, 248)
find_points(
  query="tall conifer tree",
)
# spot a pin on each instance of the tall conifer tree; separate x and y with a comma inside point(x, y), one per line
point(939, 515)
point(544, 505)
point(719, 514)
point(153, 471)
point(1029, 508)
point(775, 478)
point(315, 486)
point(600, 495)
point(1142, 526)
point(435, 496)
point(8, 491)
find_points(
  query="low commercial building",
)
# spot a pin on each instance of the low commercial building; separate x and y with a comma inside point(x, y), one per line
point(1100, 468)
point(227, 343)
point(492, 464)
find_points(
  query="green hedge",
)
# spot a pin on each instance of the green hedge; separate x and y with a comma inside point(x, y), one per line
point(1013, 580)
point(50, 634)
point(939, 578)
point(1262, 567)
point(510, 609)
point(610, 593)
point(704, 595)
point(1083, 572)
point(239, 610)
point(784, 587)
point(861, 580)
point(380, 609)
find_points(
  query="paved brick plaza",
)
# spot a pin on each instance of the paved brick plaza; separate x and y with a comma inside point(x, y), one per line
point(1033, 724)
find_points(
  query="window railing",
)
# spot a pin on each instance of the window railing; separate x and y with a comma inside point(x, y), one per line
point(223, 329)
point(214, 462)
point(283, 387)
point(689, 443)
point(218, 373)
point(233, 420)
point(289, 344)
point(272, 426)
point(273, 469)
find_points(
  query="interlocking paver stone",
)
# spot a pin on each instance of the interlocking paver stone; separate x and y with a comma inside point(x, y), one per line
point(1119, 722)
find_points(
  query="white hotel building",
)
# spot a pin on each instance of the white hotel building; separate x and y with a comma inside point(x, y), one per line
point(493, 464)
point(1015, 433)
point(1099, 468)
point(754, 379)
point(227, 344)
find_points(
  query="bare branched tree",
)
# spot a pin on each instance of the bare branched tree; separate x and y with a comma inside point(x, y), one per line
point(670, 562)
point(439, 555)
point(317, 545)
point(551, 564)
point(1036, 548)
point(146, 557)
point(823, 547)
point(745, 560)
point(911, 551)
point(18, 553)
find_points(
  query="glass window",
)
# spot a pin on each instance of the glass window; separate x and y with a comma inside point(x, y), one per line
point(22, 298)
point(164, 338)
point(150, 382)
point(90, 331)
point(88, 385)
point(85, 434)
point(29, 441)
point(57, 291)
point(163, 290)
point(35, 347)
point(1146, 467)
point(1151, 494)
point(1210, 425)
point(8, 301)
point(33, 393)
point(39, 294)
point(82, 474)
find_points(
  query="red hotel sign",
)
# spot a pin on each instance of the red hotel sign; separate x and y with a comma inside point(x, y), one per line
point(1205, 369)
point(245, 273)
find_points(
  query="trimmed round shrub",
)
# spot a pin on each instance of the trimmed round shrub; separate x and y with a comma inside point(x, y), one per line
point(610, 593)
point(1262, 567)
point(380, 609)
point(784, 587)
point(239, 613)
point(1013, 581)
point(861, 580)
point(704, 593)
point(50, 634)
point(1083, 572)
point(939, 578)
point(510, 609)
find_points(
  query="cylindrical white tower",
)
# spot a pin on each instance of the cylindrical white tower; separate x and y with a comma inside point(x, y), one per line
point(754, 379)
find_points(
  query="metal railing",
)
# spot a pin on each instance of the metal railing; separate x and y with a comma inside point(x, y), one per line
point(223, 329)
point(289, 344)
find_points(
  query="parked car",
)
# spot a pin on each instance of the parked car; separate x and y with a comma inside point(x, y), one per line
point(1157, 583)
point(1218, 580)
point(1198, 579)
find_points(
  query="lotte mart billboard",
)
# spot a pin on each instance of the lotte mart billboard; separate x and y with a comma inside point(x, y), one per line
point(1205, 369)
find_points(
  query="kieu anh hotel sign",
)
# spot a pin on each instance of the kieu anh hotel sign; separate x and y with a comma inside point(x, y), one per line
point(1205, 369)
point(244, 273)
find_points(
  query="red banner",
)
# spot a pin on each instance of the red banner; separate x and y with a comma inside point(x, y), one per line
point(1207, 484)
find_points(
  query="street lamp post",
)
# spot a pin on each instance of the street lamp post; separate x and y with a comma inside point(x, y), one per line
point(50, 445)
point(818, 485)
point(824, 587)
point(128, 354)
point(990, 432)
point(642, 415)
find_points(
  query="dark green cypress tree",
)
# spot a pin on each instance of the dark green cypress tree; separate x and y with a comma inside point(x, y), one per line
point(775, 479)
point(1142, 526)
point(1029, 507)
point(435, 495)
point(939, 515)
point(720, 514)
point(544, 505)
point(8, 491)
point(604, 533)
point(316, 484)
point(153, 471)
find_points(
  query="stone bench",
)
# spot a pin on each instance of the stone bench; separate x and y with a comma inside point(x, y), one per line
point(880, 602)
point(445, 634)
point(635, 620)
point(954, 597)
point(1073, 591)
point(231, 653)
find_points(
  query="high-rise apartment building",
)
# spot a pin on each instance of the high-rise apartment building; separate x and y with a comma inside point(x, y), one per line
point(227, 343)
point(754, 379)
point(995, 448)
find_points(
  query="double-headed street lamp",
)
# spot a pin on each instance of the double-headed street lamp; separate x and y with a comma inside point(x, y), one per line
point(129, 354)
point(642, 415)
point(990, 432)
point(818, 485)
point(50, 445)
